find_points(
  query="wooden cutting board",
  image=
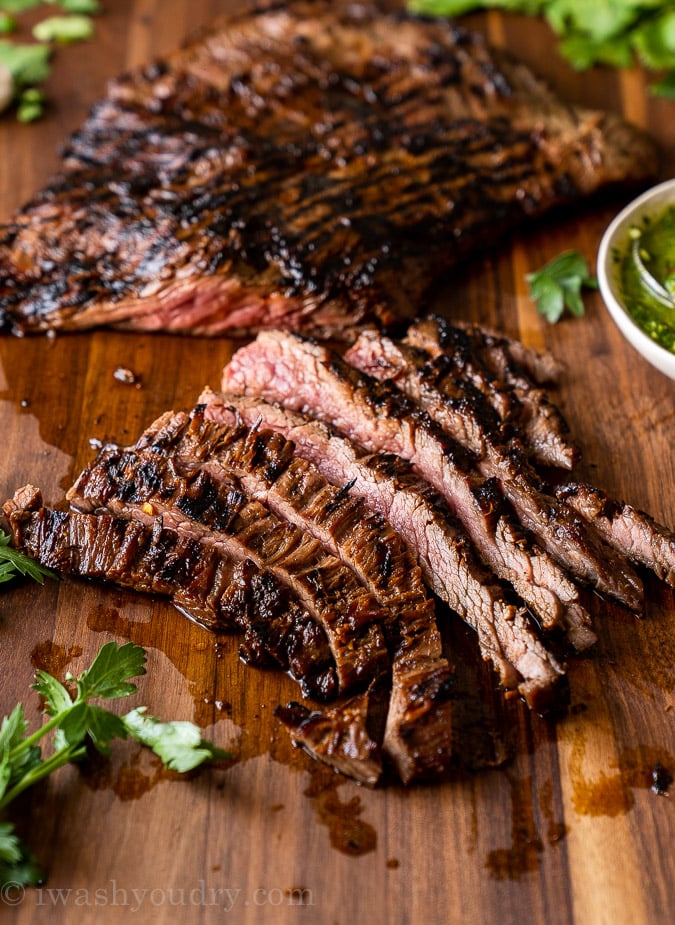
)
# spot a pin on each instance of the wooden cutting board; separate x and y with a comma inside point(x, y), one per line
point(568, 832)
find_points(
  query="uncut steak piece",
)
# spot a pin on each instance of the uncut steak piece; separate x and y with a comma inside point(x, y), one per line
point(309, 165)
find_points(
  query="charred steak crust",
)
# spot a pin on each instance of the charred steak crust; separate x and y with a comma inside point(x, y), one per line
point(209, 457)
point(432, 535)
point(306, 165)
point(216, 512)
point(464, 413)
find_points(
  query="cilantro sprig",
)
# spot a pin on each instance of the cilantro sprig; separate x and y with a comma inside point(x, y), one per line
point(75, 723)
point(24, 66)
point(13, 563)
point(558, 285)
point(612, 33)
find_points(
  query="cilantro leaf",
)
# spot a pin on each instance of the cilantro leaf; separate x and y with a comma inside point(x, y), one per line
point(654, 41)
point(13, 561)
point(13, 728)
point(179, 744)
point(93, 722)
point(7, 23)
point(17, 760)
point(10, 847)
point(558, 285)
point(81, 6)
point(64, 29)
point(109, 673)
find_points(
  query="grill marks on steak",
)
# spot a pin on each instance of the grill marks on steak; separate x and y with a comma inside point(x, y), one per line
point(294, 490)
point(211, 588)
point(308, 525)
point(139, 484)
point(632, 532)
point(306, 165)
point(432, 535)
point(489, 363)
point(305, 375)
point(463, 412)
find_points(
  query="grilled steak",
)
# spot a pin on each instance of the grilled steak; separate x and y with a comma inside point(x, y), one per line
point(265, 468)
point(433, 536)
point(305, 165)
point(463, 412)
point(495, 373)
point(213, 508)
point(343, 736)
point(632, 532)
point(215, 591)
point(307, 376)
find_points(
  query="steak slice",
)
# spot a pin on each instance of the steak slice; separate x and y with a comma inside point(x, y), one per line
point(464, 414)
point(519, 402)
point(217, 513)
point(347, 736)
point(434, 538)
point(633, 532)
point(309, 165)
point(293, 489)
point(211, 589)
point(304, 375)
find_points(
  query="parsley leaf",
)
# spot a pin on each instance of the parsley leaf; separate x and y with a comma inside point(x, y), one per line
point(558, 285)
point(76, 723)
point(17, 863)
point(178, 744)
point(108, 676)
point(28, 64)
point(81, 6)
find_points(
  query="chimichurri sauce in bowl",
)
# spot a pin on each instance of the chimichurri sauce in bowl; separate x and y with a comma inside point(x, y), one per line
point(636, 274)
point(647, 276)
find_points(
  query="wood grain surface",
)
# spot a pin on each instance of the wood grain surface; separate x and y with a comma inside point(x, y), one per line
point(568, 832)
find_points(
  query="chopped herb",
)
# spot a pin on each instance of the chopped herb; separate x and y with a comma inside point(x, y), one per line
point(558, 285)
point(64, 29)
point(611, 32)
point(29, 64)
point(75, 723)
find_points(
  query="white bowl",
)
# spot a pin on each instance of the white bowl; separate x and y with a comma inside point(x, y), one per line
point(653, 202)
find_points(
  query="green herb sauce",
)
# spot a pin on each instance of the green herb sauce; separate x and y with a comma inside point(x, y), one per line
point(656, 241)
